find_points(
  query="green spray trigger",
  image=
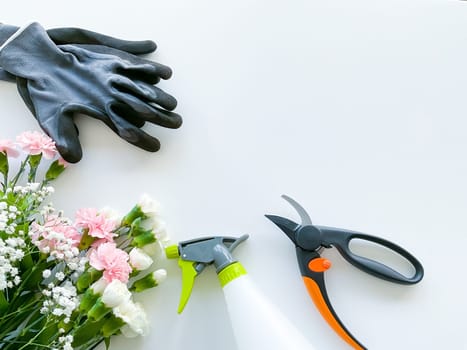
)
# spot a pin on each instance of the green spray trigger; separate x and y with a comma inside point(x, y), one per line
point(194, 255)
point(188, 280)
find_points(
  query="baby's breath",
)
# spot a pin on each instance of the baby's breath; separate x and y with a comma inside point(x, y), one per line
point(61, 300)
point(11, 253)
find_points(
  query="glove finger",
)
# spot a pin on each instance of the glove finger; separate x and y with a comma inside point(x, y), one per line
point(151, 113)
point(146, 69)
point(22, 86)
point(62, 36)
point(125, 127)
point(129, 114)
point(133, 134)
point(63, 131)
point(146, 92)
point(140, 75)
point(132, 66)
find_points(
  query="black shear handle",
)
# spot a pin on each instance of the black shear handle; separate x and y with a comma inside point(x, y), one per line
point(341, 238)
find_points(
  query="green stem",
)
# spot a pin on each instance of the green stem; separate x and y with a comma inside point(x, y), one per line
point(35, 336)
point(21, 309)
point(5, 182)
point(34, 161)
point(20, 171)
point(17, 322)
point(29, 343)
point(23, 284)
point(96, 344)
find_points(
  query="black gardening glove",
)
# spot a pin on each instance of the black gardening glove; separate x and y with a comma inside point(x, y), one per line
point(108, 84)
point(70, 35)
point(64, 36)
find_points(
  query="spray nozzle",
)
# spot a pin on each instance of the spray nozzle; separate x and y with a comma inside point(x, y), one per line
point(194, 255)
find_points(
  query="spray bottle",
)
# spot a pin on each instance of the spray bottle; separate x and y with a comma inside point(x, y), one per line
point(256, 322)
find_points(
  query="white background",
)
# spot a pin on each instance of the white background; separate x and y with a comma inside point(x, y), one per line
point(355, 108)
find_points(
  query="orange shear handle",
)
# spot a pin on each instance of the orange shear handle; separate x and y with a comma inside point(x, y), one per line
point(313, 277)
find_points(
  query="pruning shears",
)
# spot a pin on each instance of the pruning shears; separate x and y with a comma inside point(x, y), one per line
point(310, 240)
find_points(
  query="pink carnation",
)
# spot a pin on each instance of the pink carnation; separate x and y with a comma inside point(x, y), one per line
point(34, 142)
point(99, 225)
point(112, 260)
point(54, 235)
point(9, 148)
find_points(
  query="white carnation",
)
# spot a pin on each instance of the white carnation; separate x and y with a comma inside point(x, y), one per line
point(148, 206)
point(139, 259)
point(115, 294)
point(99, 286)
point(135, 318)
point(160, 275)
point(110, 214)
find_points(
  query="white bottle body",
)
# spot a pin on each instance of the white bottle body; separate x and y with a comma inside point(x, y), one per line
point(257, 324)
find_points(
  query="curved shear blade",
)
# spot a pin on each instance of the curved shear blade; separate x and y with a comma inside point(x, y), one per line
point(306, 220)
point(287, 226)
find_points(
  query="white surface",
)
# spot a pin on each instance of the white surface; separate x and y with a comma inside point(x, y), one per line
point(249, 308)
point(355, 108)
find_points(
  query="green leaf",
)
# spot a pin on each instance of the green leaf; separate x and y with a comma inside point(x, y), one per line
point(48, 334)
point(34, 160)
point(87, 331)
point(87, 278)
point(54, 171)
point(3, 164)
point(112, 326)
point(27, 262)
point(3, 303)
point(107, 343)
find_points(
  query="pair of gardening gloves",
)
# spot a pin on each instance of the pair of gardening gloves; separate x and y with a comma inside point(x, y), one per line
point(65, 71)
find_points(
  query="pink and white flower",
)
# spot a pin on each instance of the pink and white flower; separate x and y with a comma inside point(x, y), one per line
point(113, 261)
point(34, 142)
point(9, 148)
point(56, 236)
point(99, 225)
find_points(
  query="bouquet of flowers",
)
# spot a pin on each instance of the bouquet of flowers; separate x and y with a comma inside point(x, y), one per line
point(68, 284)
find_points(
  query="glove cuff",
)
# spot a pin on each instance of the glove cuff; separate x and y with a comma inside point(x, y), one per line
point(14, 33)
point(28, 49)
point(6, 31)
